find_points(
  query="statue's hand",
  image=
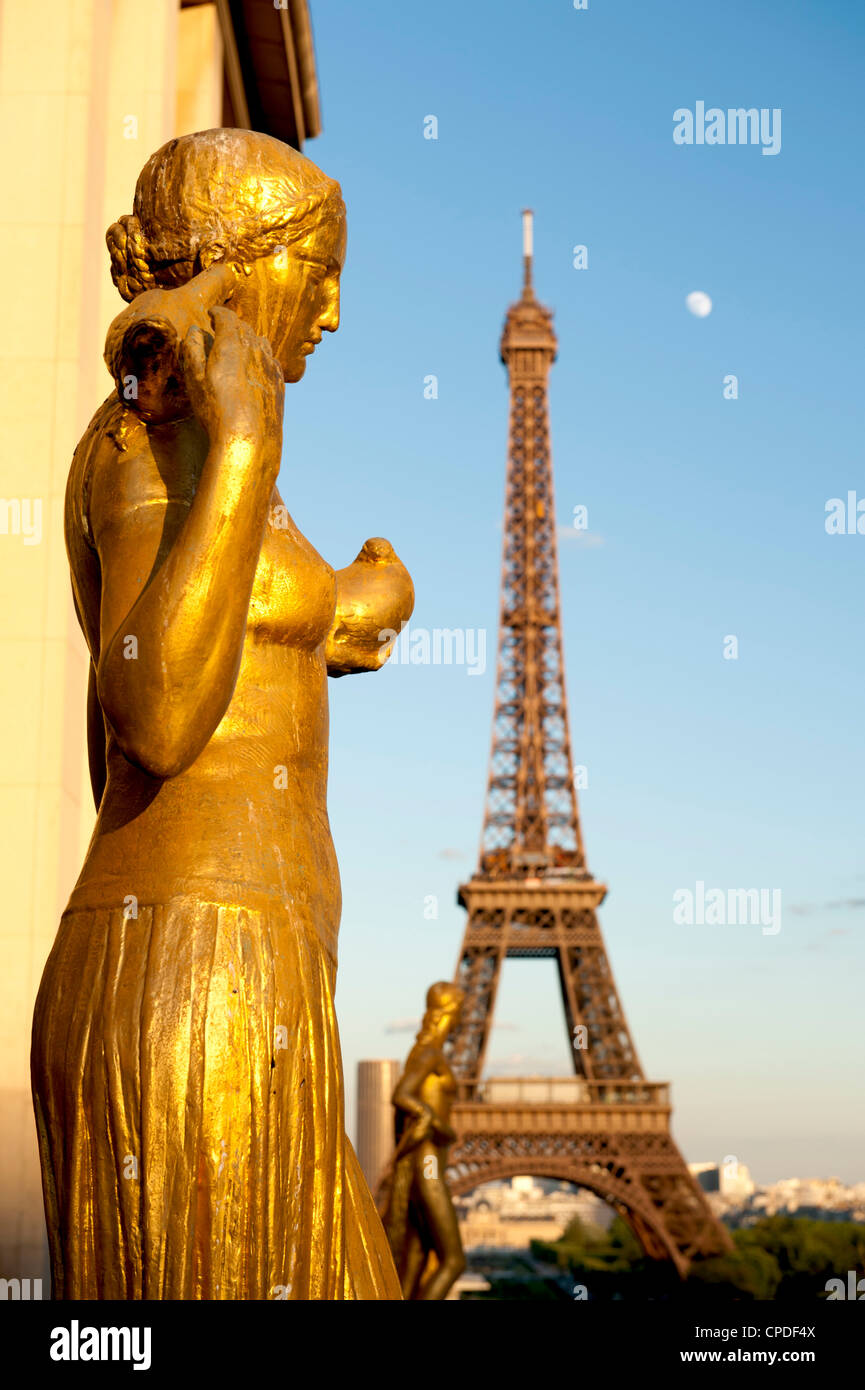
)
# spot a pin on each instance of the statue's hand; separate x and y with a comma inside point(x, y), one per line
point(444, 1133)
point(234, 383)
point(419, 1129)
point(142, 348)
point(375, 597)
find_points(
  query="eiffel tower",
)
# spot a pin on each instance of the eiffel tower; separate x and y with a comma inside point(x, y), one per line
point(607, 1128)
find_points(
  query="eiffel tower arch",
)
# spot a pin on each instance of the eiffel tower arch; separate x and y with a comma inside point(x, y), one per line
point(607, 1128)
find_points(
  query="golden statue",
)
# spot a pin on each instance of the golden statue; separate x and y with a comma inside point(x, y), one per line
point(186, 1068)
point(418, 1213)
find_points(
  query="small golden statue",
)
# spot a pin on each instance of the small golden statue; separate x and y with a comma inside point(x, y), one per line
point(418, 1213)
point(186, 1069)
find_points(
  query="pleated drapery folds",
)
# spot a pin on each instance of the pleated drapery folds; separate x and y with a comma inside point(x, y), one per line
point(188, 1091)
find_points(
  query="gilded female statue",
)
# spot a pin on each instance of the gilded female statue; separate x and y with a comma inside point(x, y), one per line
point(186, 1068)
point(419, 1215)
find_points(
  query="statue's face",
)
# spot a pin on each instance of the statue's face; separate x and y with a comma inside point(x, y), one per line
point(291, 296)
point(451, 1014)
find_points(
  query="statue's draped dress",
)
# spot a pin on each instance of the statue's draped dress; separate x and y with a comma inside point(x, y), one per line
point(186, 1066)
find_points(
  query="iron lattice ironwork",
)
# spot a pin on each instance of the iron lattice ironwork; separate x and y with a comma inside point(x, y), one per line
point(533, 896)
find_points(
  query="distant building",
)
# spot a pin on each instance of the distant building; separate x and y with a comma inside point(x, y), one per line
point(708, 1175)
point(730, 1178)
point(509, 1215)
point(376, 1081)
point(738, 1201)
point(823, 1199)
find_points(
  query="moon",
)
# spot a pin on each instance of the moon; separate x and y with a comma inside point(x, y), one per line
point(699, 304)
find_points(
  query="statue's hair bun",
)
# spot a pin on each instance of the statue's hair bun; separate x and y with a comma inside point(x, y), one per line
point(130, 264)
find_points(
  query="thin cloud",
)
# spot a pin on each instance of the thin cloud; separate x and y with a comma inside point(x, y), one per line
point(837, 905)
point(521, 1064)
point(822, 942)
point(586, 540)
point(411, 1025)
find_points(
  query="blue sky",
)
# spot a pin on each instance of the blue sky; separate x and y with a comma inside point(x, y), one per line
point(706, 518)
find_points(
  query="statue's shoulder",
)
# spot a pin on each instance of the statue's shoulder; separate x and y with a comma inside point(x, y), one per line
point(423, 1055)
point(97, 448)
point(122, 465)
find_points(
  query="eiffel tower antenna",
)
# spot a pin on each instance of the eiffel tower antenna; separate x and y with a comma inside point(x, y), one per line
point(528, 252)
point(607, 1128)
